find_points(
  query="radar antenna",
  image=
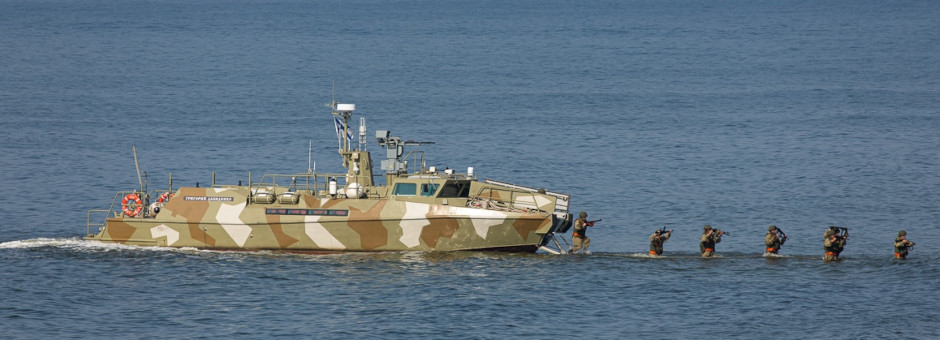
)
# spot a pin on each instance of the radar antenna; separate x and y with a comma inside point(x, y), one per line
point(341, 114)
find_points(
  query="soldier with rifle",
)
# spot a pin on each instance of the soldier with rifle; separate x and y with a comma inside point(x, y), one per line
point(657, 239)
point(580, 242)
point(834, 242)
point(902, 246)
point(710, 237)
point(774, 239)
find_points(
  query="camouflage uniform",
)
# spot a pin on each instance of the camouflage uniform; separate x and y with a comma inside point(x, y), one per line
point(833, 245)
point(902, 246)
point(578, 240)
point(772, 240)
point(709, 239)
point(656, 242)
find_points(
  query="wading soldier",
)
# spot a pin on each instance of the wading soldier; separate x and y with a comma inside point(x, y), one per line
point(580, 242)
point(710, 237)
point(657, 240)
point(773, 240)
point(902, 246)
point(834, 243)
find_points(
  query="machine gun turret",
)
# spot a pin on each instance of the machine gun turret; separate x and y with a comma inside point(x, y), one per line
point(394, 148)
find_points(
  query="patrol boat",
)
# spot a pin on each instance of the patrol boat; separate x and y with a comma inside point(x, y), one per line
point(418, 208)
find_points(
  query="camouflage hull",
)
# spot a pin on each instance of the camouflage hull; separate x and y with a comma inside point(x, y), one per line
point(417, 209)
point(226, 219)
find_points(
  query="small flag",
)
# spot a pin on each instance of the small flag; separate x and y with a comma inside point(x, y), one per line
point(340, 127)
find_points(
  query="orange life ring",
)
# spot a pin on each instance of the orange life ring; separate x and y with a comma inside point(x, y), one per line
point(164, 197)
point(127, 208)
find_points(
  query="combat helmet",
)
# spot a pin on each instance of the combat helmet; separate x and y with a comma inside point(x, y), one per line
point(830, 232)
point(772, 228)
point(582, 214)
point(707, 227)
point(902, 233)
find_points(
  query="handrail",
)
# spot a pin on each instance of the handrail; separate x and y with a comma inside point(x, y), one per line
point(108, 211)
point(415, 165)
point(114, 210)
point(561, 200)
point(512, 203)
point(302, 182)
point(88, 223)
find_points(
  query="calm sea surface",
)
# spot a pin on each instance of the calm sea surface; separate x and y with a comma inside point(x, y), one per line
point(738, 114)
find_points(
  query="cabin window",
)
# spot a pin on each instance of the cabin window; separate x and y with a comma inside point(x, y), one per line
point(455, 189)
point(429, 189)
point(405, 189)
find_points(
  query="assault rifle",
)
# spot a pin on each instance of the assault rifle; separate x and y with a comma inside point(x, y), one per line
point(841, 232)
point(663, 231)
point(722, 232)
point(782, 235)
point(591, 223)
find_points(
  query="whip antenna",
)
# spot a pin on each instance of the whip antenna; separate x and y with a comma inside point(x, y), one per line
point(137, 164)
point(310, 157)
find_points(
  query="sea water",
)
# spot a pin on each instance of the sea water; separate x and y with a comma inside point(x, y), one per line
point(738, 114)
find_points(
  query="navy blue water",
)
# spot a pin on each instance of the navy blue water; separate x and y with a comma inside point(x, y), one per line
point(738, 114)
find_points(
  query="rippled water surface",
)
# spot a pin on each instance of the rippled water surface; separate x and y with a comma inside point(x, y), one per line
point(738, 114)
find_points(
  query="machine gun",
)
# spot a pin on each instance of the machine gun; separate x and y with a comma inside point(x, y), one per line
point(722, 232)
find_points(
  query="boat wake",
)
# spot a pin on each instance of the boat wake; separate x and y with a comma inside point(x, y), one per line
point(79, 245)
point(85, 245)
point(51, 242)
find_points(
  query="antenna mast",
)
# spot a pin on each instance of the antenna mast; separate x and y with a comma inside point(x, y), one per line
point(362, 134)
point(137, 164)
point(343, 111)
